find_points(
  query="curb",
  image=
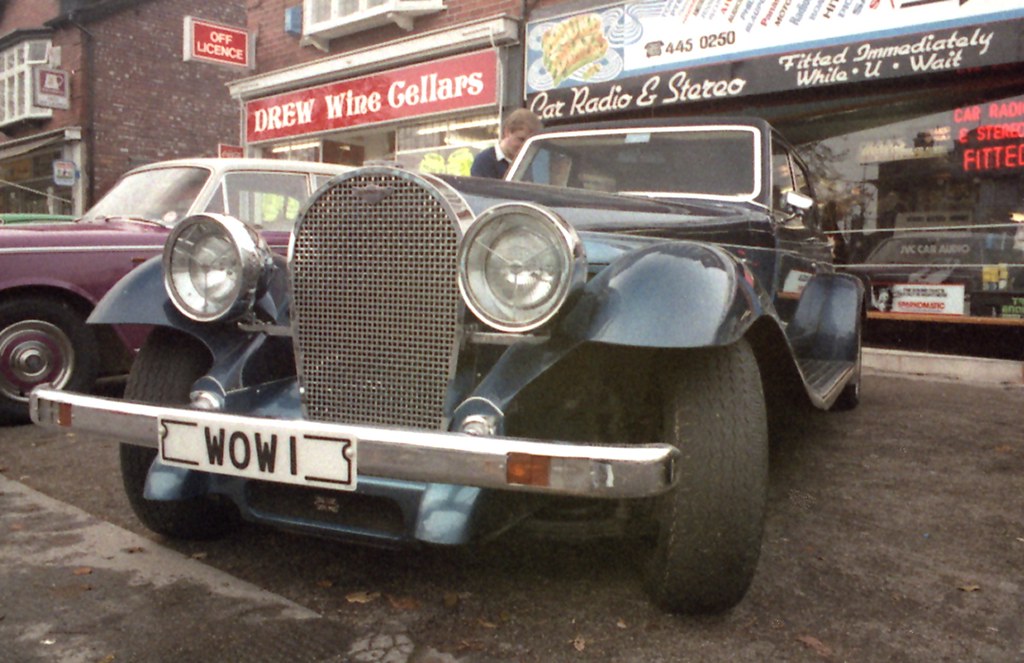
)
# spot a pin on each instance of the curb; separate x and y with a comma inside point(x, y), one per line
point(950, 367)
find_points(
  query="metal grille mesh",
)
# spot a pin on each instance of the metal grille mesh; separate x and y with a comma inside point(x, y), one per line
point(376, 303)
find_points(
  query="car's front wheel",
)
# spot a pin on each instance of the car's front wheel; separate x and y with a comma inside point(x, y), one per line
point(163, 373)
point(42, 341)
point(709, 527)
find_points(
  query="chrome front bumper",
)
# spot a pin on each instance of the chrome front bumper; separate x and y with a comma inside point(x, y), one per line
point(556, 468)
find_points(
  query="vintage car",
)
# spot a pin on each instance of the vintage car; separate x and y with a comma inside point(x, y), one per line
point(441, 359)
point(53, 274)
point(965, 275)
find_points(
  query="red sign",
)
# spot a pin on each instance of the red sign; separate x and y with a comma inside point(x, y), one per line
point(456, 83)
point(214, 42)
point(225, 151)
point(990, 136)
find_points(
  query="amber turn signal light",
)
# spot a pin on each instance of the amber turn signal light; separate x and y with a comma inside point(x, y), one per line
point(527, 469)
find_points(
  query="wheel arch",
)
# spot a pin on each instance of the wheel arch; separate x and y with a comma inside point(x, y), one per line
point(673, 295)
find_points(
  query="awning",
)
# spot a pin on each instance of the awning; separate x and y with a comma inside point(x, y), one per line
point(15, 148)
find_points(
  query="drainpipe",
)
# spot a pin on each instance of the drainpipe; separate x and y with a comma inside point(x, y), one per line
point(88, 109)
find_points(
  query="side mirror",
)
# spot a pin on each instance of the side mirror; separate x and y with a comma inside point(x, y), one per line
point(797, 202)
point(795, 207)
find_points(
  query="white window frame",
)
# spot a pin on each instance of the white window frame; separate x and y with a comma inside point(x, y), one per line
point(17, 89)
point(323, 20)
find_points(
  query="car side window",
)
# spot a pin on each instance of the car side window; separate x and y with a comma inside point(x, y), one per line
point(782, 176)
point(269, 201)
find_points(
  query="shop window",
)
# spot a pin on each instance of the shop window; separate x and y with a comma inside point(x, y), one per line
point(26, 185)
point(16, 91)
point(324, 20)
point(960, 169)
point(447, 146)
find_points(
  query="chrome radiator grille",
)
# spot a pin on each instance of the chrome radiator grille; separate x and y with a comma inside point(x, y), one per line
point(376, 303)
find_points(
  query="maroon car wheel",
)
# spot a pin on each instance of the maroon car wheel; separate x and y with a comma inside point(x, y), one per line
point(42, 341)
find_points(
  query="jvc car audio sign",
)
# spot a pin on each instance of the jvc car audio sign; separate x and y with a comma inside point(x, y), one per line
point(451, 84)
point(220, 44)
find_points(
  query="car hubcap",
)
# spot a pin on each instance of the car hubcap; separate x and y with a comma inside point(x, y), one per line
point(33, 352)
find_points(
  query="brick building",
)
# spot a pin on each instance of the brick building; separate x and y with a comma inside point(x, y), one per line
point(101, 86)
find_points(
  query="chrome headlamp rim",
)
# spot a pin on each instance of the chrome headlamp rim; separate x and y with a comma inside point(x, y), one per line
point(570, 253)
point(249, 252)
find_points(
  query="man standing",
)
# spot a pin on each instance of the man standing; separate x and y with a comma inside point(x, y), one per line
point(518, 126)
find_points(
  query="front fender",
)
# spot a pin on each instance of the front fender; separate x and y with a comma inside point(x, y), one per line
point(674, 295)
point(139, 298)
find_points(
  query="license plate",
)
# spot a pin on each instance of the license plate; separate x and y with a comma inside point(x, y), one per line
point(270, 451)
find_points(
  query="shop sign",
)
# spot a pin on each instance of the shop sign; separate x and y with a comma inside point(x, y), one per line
point(64, 172)
point(51, 87)
point(647, 54)
point(990, 137)
point(225, 151)
point(921, 298)
point(213, 42)
point(457, 83)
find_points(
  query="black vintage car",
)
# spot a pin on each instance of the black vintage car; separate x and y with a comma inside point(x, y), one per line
point(597, 345)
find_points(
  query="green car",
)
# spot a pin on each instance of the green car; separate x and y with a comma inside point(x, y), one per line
point(33, 217)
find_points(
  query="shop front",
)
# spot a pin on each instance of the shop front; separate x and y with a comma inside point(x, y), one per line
point(910, 113)
point(431, 111)
point(39, 174)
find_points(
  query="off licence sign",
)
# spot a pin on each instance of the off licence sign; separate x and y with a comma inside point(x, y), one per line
point(213, 42)
point(271, 451)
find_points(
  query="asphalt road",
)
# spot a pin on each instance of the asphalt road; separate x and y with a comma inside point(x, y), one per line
point(895, 533)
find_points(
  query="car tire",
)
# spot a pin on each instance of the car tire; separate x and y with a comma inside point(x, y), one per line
point(42, 340)
point(710, 525)
point(163, 373)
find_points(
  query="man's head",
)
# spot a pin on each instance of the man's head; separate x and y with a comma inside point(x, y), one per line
point(519, 125)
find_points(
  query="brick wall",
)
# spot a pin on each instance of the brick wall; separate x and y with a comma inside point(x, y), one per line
point(150, 105)
point(21, 14)
point(276, 49)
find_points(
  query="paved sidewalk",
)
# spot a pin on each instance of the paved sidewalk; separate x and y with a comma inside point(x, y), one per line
point(948, 367)
point(75, 588)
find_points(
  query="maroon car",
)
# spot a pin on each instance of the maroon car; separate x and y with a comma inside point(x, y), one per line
point(52, 275)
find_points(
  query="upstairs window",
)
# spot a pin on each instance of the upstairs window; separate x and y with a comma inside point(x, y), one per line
point(16, 91)
point(324, 20)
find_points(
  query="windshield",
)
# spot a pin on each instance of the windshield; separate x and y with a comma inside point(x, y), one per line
point(163, 195)
point(716, 163)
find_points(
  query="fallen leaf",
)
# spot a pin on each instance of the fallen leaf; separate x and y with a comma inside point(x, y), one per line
point(82, 571)
point(451, 599)
point(1004, 449)
point(362, 597)
point(486, 624)
point(471, 645)
point(109, 658)
point(969, 588)
point(325, 583)
point(579, 643)
point(621, 624)
point(17, 527)
point(817, 645)
point(403, 603)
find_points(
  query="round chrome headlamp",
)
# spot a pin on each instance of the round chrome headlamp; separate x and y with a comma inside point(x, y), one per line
point(518, 263)
point(213, 266)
